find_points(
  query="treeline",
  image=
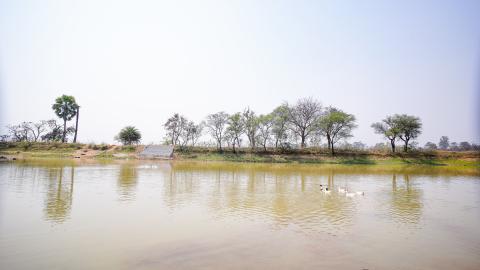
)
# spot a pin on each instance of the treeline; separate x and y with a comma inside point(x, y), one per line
point(65, 107)
point(305, 123)
point(288, 126)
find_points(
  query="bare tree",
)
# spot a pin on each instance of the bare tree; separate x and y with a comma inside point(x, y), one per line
point(4, 138)
point(190, 133)
point(216, 123)
point(303, 118)
point(196, 131)
point(36, 129)
point(19, 132)
point(175, 126)
point(55, 132)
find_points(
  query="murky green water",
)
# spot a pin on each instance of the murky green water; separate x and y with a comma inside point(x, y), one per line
point(162, 215)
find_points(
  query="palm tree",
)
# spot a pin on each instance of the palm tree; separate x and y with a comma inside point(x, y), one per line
point(66, 108)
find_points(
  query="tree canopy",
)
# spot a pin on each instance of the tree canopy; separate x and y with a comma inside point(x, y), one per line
point(336, 125)
point(410, 127)
point(65, 107)
point(389, 129)
point(129, 135)
point(216, 123)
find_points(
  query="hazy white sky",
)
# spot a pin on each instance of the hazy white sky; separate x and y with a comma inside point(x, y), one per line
point(138, 62)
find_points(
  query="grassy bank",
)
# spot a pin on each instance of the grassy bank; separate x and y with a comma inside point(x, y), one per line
point(67, 150)
point(309, 155)
point(321, 156)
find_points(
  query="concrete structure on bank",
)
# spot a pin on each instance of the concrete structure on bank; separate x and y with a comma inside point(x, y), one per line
point(157, 151)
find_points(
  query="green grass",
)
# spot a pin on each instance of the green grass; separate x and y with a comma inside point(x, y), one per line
point(458, 160)
point(343, 160)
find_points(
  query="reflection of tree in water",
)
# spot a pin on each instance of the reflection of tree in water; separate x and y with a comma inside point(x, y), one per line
point(59, 195)
point(287, 199)
point(180, 186)
point(127, 181)
point(406, 205)
point(284, 197)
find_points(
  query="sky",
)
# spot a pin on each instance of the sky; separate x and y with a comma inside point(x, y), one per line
point(138, 62)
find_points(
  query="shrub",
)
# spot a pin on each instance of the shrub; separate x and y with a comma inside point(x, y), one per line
point(129, 135)
point(25, 145)
point(128, 148)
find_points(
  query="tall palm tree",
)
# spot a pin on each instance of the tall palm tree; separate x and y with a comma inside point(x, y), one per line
point(66, 108)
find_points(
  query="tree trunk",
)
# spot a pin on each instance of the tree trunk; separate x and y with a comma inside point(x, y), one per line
point(76, 126)
point(329, 142)
point(405, 147)
point(333, 150)
point(64, 130)
point(302, 144)
point(392, 142)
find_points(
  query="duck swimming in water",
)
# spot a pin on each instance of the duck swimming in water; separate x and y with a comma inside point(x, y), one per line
point(325, 189)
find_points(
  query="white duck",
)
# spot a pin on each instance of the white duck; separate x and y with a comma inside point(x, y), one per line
point(325, 189)
point(342, 190)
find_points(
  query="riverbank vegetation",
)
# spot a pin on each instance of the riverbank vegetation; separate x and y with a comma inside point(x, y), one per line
point(305, 129)
point(313, 155)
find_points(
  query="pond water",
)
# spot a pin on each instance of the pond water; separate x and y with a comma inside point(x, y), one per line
point(191, 215)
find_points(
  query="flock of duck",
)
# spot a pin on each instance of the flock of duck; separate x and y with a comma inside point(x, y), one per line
point(341, 190)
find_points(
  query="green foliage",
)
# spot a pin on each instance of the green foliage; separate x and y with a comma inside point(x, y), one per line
point(430, 146)
point(250, 124)
point(65, 107)
point(265, 123)
point(410, 127)
point(235, 129)
point(216, 123)
point(25, 145)
point(174, 126)
point(129, 135)
point(444, 143)
point(280, 124)
point(336, 125)
point(128, 148)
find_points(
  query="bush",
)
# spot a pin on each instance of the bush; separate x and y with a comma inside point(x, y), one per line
point(128, 148)
point(129, 135)
point(25, 145)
